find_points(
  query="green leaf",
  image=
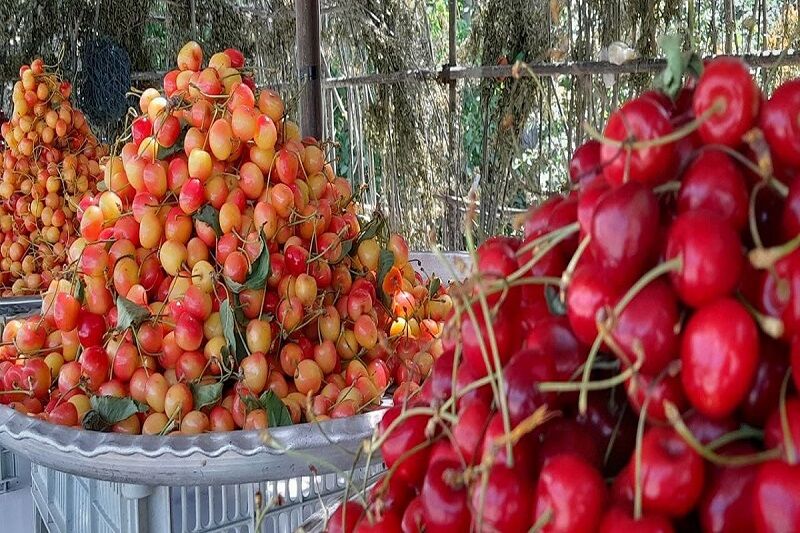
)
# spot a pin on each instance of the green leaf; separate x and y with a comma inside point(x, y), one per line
point(371, 229)
point(259, 271)
point(347, 247)
point(553, 299)
point(433, 288)
point(228, 322)
point(80, 289)
point(130, 314)
point(207, 394)
point(385, 262)
point(277, 413)
point(108, 410)
point(679, 63)
point(251, 402)
point(164, 153)
point(209, 214)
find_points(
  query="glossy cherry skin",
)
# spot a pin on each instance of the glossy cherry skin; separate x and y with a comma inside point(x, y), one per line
point(672, 474)
point(618, 520)
point(537, 217)
point(345, 518)
point(588, 294)
point(585, 162)
point(787, 303)
point(468, 431)
point(386, 522)
point(464, 377)
point(475, 338)
point(497, 260)
point(522, 373)
point(553, 335)
point(726, 80)
point(727, 502)
point(650, 321)
point(413, 521)
point(719, 356)
point(524, 451)
point(573, 491)
point(391, 494)
point(563, 214)
point(504, 501)
point(765, 390)
point(707, 430)
point(795, 361)
point(551, 263)
point(608, 419)
point(711, 257)
point(773, 430)
point(444, 499)
point(405, 436)
point(776, 505)
point(589, 196)
point(779, 123)
point(714, 183)
point(440, 380)
point(667, 389)
point(791, 211)
point(623, 226)
point(641, 119)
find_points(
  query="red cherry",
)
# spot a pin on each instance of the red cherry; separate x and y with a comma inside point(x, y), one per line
point(551, 263)
point(726, 81)
point(522, 373)
point(623, 228)
point(764, 392)
point(587, 294)
point(773, 430)
point(476, 343)
point(639, 120)
point(613, 426)
point(502, 500)
point(469, 429)
point(404, 437)
point(464, 377)
point(441, 379)
point(524, 451)
point(672, 474)
point(668, 389)
point(719, 355)
point(585, 162)
point(537, 217)
point(707, 430)
point(553, 335)
point(727, 502)
point(345, 518)
point(776, 506)
point(648, 323)
point(91, 328)
point(387, 522)
point(565, 435)
point(589, 196)
point(573, 491)
point(778, 121)
point(444, 497)
point(413, 519)
point(236, 57)
point(618, 520)
point(714, 183)
point(563, 214)
point(711, 256)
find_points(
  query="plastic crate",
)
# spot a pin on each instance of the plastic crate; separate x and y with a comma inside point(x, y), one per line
point(65, 503)
point(15, 471)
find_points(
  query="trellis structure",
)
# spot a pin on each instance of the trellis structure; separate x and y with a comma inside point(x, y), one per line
point(421, 116)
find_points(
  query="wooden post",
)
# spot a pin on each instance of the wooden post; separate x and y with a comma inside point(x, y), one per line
point(309, 66)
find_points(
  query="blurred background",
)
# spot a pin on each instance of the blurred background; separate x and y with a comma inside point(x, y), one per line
point(420, 99)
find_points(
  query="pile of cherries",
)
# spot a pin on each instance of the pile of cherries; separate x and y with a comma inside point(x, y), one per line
point(632, 363)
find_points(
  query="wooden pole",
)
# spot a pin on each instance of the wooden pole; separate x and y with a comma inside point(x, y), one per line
point(309, 66)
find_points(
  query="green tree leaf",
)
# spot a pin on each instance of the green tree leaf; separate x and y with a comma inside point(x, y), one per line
point(385, 262)
point(210, 216)
point(433, 288)
point(277, 413)
point(108, 410)
point(259, 271)
point(228, 322)
point(130, 314)
point(206, 394)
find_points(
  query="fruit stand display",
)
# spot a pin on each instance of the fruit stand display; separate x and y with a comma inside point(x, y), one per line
point(631, 364)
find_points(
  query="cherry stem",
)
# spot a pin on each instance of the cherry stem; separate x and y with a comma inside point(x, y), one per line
point(27, 393)
point(674, 418)
point(764, 258)
point(772, 326)
point(767, 179)
point(788, 439)
point(742, 433)
point(602, 384)
point(670, 186)
point(570, 228)
point(672, 265)
point(566, 276)
point(542, 521)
